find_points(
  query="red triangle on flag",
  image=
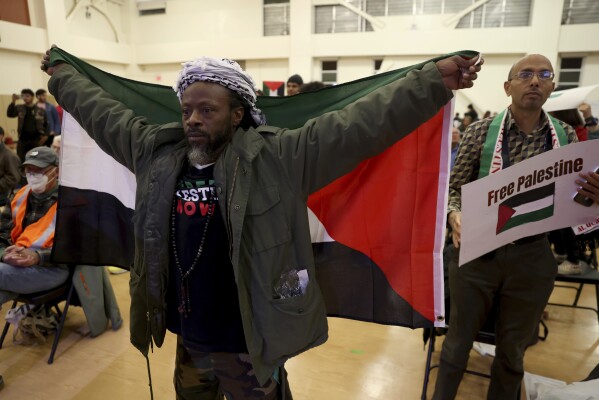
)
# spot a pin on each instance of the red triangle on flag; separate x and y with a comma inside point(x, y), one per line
point(386, 209)
point(273, 85)
point(504, 214)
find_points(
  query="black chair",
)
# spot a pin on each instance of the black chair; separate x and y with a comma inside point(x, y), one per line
point(590, 277)
point(51, 298)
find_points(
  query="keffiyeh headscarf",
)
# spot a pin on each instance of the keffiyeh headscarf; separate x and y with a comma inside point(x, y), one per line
point(225, 72)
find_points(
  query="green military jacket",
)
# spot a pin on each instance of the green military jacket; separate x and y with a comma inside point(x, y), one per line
point(263, 179)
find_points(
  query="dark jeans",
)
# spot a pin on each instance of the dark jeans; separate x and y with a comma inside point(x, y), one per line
point(519, 279)
point(210, 376)
point(23, 146)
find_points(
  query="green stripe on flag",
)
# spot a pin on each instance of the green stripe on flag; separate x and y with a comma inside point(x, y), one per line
point(160, 105)
point(527, 218)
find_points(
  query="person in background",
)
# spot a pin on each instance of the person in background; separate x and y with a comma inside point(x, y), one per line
point(457, 121)
point(568, 251)
point(590, 121)
point(223, 252)
point(466, 121)
point(293, 84)
point(54, 122)
point(27, 230)
point(60, 112)
point(10, 174)
point(10, 144)
point(56, 143)
point(311, 87)
point(455, 143)
point(585, 126)
point(518, 277)
point(33, 122)
point(472, 113)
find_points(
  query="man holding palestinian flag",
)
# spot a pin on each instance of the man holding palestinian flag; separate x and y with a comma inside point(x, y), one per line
point(519, 276)
point(223, 256)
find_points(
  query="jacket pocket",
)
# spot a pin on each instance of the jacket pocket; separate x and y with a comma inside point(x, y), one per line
point(290, 326)
point(266, 220)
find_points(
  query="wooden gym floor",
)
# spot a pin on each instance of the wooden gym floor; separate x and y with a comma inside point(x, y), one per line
point(360, 360)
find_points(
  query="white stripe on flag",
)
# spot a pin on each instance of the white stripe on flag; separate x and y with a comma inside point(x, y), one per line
point(84, 165)
point(533, 206)
point(318, 232)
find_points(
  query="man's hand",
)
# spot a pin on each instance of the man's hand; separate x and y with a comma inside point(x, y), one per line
point(459, 73)
point(589, 187)
point(455, 221)
point(19, 256)
point(15, 97)
point(46, 63)
point(585, 109)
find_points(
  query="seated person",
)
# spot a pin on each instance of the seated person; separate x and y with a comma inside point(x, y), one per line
point(27, 230)
point(10, 175)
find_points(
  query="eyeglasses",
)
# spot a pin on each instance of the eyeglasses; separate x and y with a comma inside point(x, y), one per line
point(527, 75)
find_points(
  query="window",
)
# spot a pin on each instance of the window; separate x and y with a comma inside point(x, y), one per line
point(493, 14)
point(276, 17)
point(580, 12)
point(498, 14)
point(329, 73)
point(338, 19)
point(569, 73)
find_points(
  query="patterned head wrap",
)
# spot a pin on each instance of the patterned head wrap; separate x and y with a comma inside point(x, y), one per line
point(225, 72)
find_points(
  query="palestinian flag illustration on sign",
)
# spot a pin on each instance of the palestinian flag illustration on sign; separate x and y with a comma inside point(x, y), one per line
point(531, 206)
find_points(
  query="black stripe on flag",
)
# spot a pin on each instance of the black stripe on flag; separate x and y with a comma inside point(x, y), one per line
point(354, 287)
point(103, 234)
point(530, 196)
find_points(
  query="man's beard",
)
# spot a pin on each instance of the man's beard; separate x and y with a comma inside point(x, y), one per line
point(209, 152)
point(200, 155)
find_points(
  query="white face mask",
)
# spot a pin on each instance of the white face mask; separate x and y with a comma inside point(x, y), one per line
point(37, 182)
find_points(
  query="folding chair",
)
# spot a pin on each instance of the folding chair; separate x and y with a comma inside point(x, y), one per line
point(51, 298)
point(590, 277)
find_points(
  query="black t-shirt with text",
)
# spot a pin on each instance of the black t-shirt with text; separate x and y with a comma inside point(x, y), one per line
point(214, 322)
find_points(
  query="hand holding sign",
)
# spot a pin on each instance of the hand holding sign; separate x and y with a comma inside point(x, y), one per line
point(589, 188)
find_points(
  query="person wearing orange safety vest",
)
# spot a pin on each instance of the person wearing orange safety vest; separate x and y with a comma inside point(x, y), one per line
point(27, 230)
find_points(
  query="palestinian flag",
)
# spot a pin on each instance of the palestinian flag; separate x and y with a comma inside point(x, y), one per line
point(273, 88)
point(377, 232)
point(531, 206)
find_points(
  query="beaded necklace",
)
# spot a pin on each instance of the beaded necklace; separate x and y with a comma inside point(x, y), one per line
point(185, 306)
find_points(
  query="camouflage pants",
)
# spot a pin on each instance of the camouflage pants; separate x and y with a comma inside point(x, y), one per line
point(214, 376)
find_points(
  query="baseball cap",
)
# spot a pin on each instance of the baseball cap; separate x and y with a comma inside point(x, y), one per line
point(41, 157)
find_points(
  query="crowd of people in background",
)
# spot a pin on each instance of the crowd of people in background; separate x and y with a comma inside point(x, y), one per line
point(28, 206)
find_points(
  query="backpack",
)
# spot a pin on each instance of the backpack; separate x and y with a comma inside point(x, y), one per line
point(33, 323)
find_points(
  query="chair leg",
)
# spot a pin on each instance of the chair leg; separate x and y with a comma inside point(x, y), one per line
point(6, 326)
point(58, 311)
point(596, 295)
point(61, 324)
point(578, 292)
point(543, 337)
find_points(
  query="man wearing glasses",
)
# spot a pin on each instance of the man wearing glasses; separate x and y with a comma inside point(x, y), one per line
point(517, 277)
